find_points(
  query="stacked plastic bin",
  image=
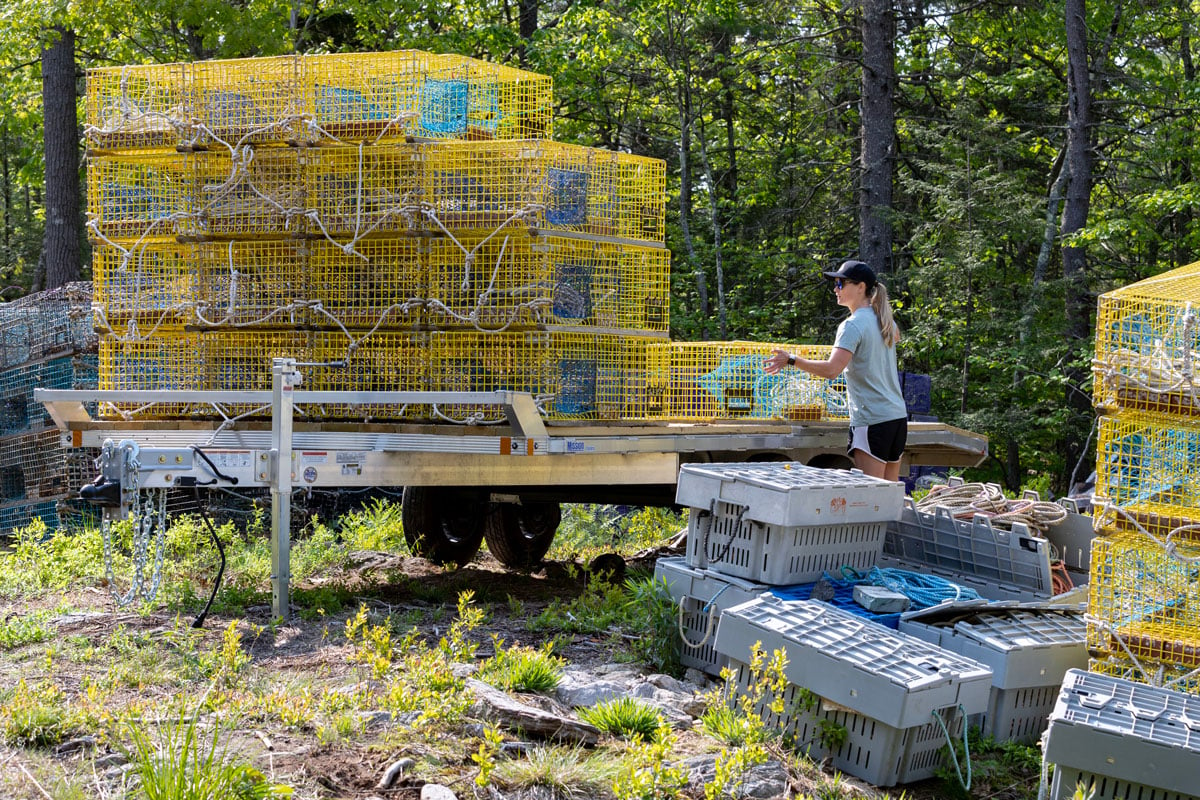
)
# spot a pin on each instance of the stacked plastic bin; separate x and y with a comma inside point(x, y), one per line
point(402, 218)
point(46, 341)
point(759, 536)
point(880, 704)
point(1128, 727)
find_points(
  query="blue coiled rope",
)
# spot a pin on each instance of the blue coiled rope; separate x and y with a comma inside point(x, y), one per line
point(923, 590)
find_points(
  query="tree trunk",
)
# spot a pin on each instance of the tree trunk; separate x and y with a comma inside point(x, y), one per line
point(1075, 211)
point(878, 135)
point(64, 221)
point(528, 25)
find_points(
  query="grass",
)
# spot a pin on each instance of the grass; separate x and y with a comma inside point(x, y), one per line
point(625, 717)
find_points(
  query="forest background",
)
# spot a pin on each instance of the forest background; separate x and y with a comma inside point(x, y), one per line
point(1001, 163)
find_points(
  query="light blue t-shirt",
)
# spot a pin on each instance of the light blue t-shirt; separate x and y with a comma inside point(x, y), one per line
point(872, 382)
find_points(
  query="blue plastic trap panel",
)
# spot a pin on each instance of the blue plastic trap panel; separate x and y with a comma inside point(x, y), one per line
point(883, 674)
point(1125, 731)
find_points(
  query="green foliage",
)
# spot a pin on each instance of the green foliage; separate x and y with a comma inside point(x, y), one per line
point(34, 716)
point(485, 756)
point(995, 766)
point(183, 761)
point(375, 526)
point(626, 718)
point(587, 530)
point(650, 604)
point(648, 773)
point(571, 773)
point(521, 669)
point(20, 631)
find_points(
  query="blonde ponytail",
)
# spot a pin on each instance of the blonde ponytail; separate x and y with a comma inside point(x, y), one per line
point(883, 312)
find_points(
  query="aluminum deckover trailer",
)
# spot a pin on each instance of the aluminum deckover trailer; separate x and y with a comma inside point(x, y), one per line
point(462, 483)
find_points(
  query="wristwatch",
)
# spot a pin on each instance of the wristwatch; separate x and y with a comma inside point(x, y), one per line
point(791, 360)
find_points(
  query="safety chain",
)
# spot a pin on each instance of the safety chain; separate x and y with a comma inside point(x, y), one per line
point(144, 519)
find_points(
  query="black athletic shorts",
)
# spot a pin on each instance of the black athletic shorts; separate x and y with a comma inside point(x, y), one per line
point(883, 441)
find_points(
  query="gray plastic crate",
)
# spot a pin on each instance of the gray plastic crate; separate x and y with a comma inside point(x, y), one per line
point(1121, 739)
point(701, 595)
point(1029, 649)
point(878, 753)
point(889, 676)
point(791, 494)
point(1001, 565)
point(724, 540)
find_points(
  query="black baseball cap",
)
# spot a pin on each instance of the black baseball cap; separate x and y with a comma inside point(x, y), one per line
point(854, 271)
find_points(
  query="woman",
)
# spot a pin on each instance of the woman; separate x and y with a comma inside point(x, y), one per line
point(865, 348)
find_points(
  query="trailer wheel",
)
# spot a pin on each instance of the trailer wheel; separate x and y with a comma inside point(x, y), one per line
point(519, 534)
point(443, 523)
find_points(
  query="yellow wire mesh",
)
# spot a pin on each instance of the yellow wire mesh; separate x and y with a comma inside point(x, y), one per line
point(242, 361)
point(1145, 598)
point(253, 192)
point(151, 283)
point(134, 107)
point(465, 98)
point(259, 283)
point(380, 362)
point(361, 97)
point(1149, 469)
point(642, 198)
point(170, 360)
point(474, 361)
point(1148, 345)
point(139, 195)
point(492, 283)
point(599, 376)
point(482, 186)
point(318, 99)
point(357, 191)
point(1147, 671)
point(247, 100)
point(723, 380)
point(382, 282)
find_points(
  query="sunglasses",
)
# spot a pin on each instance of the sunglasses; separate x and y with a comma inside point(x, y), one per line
point(838, 283)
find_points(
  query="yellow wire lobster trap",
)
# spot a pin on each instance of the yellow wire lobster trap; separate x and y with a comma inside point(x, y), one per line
point(352, 98)
point(375, 283)
point(1147, 671)
point(1144, 600)
point(171, 359)
point(477, 361)
point(726, 380)
point(600, 376)
point(247, 100)
point(465, 98)
point(353, 192)
point(134, 196)
point(369, 361)
point(243, 361)
point(1148, 345)
point(136, 107)
point(262, 283)
point(494, 282)
point(152, 283)
point(249, 192)
point(551, 186)
point(1147, 475)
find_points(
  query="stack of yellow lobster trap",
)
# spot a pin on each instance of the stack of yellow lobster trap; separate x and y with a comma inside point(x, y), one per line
point(402, 221)
point(1144, 592)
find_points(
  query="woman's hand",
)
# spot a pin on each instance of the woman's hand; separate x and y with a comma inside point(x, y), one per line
point(777, 361)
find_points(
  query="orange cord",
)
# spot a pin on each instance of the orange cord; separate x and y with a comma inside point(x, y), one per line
point(1060, 577)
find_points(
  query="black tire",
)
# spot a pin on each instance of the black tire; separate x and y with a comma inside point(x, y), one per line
point(443, 523)
point(519, 534)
